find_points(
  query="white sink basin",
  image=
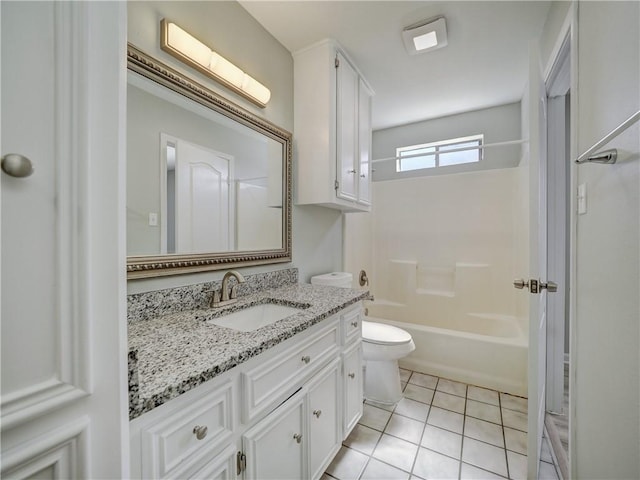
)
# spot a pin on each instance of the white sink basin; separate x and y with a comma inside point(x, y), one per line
point(253, 318)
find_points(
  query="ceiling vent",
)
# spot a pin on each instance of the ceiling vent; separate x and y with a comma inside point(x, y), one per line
point(425, 36)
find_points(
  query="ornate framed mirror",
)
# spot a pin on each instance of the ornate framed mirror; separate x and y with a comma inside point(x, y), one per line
point(208, 182)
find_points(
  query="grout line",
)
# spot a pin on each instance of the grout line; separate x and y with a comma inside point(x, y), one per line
point(504, 438)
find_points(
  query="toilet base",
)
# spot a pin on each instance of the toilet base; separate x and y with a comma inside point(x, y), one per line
point(382, 381)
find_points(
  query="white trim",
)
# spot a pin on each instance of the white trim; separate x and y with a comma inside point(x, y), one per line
point(64, 448)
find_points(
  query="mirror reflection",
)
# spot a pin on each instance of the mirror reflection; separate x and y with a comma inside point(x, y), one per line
point(197, 180)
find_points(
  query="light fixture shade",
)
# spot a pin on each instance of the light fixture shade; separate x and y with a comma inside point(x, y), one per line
point(425, 36)
point(196, 54)
point(188, 45)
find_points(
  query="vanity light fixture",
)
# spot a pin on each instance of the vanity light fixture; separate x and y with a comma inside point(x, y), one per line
point(196, 54)
point(425, 36)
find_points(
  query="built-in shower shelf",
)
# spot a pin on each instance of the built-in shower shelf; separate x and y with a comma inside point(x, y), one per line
point(438, 293)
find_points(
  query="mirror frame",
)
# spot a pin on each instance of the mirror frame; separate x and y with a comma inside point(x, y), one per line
point(142, 266)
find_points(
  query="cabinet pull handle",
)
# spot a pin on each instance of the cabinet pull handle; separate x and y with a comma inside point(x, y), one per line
point(297, 437)
point(200, 431)
point(317, 413)
point(351, 171)
point(306, 359)
point(363, 176)
point(352, 375)
point(354, 324)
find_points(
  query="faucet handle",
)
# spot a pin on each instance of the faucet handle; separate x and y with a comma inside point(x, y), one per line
point(215, 298)
point(234, 292)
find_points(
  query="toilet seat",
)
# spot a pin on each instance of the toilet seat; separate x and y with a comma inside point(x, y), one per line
point(382, 334)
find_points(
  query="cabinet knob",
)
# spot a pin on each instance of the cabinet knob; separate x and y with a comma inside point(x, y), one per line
point(200, 431)
point(306, 359)
point(363, 176)
point(297, 437)
point(317, 413)
point(351, 171)
point(352, 375)
point(354, 324)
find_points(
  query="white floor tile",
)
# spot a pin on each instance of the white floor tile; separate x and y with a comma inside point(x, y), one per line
point(433, 465)
point(512, 402)
point(448, 402)
point(423, 380)
point(513, 419)
point(483, 395)
point(483, 411)
point(412, 409)
point(484, 456)
point(374, 417)
point(420, 394)
point(469, 472)
point(404, 375)
point(517, 466)
point(396, 452)
point(449, 386)
point(517, 441)
point(445, 419)
point(405, 428)
point(376, 470)
point(484, 431)
point(442, 441)
point(347, 465)
point(363, 439)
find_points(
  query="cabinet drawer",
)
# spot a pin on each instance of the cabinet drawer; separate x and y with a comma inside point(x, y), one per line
point(351, 325)
point(172, 446)
point(279, 377)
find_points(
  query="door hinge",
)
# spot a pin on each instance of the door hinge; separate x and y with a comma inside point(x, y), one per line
point(337, 62)
point(241, 461)
point(336, 185)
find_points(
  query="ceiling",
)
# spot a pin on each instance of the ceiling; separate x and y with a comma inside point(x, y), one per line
point(485, 63)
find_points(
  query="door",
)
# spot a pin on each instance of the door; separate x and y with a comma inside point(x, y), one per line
point(202, 209)
point(275, 447)
point(347, 125)
point(325, 424)
point(364, 143)
point(64, 410)
point(537, 259)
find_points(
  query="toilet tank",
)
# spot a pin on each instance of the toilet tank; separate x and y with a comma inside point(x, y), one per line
point(333, 279)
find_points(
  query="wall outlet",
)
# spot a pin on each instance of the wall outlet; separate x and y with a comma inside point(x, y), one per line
point(153, 219)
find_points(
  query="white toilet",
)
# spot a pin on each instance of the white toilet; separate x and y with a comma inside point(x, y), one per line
point(382, 346)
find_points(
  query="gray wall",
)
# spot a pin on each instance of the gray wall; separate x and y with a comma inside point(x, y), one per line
point(232, 32)
point(498, 124)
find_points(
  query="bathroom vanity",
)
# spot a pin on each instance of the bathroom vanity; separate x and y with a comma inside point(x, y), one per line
point(272, 402)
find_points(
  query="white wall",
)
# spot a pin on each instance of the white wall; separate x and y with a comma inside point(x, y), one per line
point(230, 30)
point(606, 420)
point(498, 124)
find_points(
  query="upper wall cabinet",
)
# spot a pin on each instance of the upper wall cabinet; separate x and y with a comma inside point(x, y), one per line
point(332, 129)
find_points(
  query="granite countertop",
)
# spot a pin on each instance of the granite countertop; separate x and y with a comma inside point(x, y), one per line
point(172, 354)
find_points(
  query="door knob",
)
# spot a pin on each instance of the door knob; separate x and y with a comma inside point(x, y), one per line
point(16, 165)
point(520, 283)
point(550, 286)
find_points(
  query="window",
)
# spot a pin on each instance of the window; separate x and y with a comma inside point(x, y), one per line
point(437, 154)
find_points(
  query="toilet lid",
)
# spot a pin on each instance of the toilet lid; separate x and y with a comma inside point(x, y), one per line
point(384, 334)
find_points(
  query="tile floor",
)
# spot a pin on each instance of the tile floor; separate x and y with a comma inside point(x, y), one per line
point(440, 430)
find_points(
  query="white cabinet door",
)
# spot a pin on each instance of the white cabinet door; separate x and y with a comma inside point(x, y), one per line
point(347, 129)
point(352, 377)
point(275, 446)
point(364, 144)
point(324, 414)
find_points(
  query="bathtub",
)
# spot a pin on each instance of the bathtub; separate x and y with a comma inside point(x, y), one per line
point(486, 350)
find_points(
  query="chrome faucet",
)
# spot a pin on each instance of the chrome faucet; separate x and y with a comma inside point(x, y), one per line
point(228, 296)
